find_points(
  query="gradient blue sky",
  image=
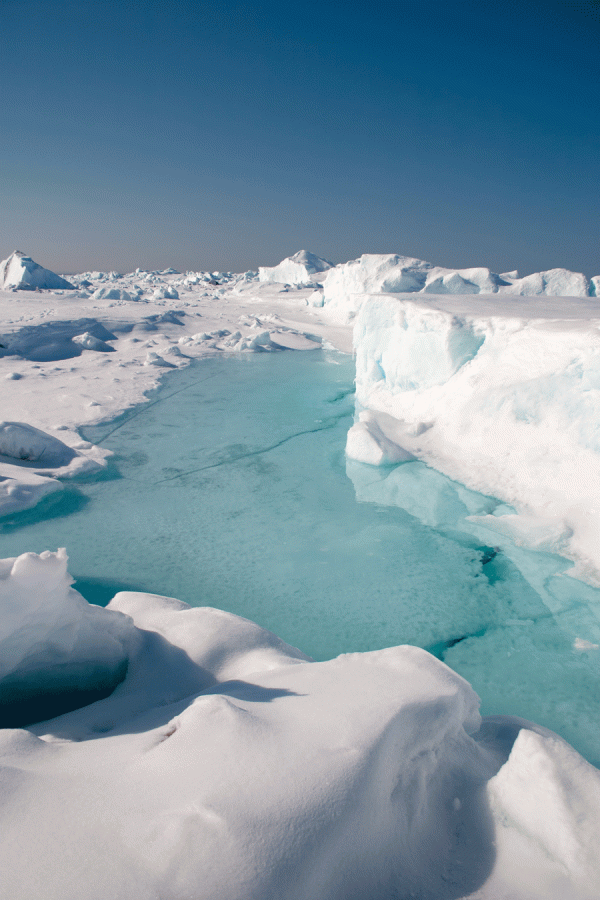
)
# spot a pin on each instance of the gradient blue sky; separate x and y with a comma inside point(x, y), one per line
point(229, 135)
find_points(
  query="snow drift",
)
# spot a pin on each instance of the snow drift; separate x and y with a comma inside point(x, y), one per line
point(226, 763)
point(21, 272)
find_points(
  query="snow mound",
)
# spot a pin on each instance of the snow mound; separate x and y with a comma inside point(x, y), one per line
point(31, 461)
point(166, 293)
point(108, 293)
point(52, 642)
point(297, 269)
point(553, 283)
point(227, 763)
point(28, 444)
point(21, 272)
point(89, 342)
point(373, 274)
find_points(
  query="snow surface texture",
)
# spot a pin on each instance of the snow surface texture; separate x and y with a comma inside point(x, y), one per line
point(84, 355)
point(504, 399)
point(227, 764)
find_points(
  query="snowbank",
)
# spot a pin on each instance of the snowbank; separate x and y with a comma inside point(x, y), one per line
point(346, 285)
point(297, 269)
point(44, 459)
point(501, 395)
point(53, 644)
point(21, 272)
point(226, 763)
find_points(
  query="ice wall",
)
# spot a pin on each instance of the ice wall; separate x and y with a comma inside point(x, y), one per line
point(502, 395)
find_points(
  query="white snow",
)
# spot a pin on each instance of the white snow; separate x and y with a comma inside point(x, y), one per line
point(301, 268)
point(346, 285)
point(226, 763)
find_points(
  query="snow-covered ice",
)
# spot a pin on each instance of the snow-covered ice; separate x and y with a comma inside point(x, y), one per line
point(503, 396)
point(224, 762)
point(20, 272)
point(301, 268)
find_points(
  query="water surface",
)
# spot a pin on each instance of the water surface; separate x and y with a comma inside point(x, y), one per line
point(230, 488)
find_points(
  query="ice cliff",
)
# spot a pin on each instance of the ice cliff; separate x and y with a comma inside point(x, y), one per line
point(502, 395)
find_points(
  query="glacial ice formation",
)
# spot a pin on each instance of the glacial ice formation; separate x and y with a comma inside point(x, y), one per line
point(218, 761)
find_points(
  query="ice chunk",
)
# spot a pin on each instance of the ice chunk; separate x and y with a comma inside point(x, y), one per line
point(89, 342)
point(21, 272)
point(552, 283)
point(368, 442)
point(546, 800)
point(108, 293)
point(51, 640)
point(154, 359)
point(297, 269)
point(166, 293)
point(28, 444)
point(512, 402)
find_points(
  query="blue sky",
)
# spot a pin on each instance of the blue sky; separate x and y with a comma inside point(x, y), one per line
point(227, 136)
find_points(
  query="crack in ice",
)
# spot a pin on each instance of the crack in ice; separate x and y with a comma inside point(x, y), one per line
point(329, 423)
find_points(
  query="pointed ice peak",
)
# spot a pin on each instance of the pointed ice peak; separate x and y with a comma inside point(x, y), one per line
point(296, 269)
point(311, 261)
point(21, 272)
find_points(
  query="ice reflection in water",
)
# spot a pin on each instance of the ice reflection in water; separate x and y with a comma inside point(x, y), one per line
point(231, 489)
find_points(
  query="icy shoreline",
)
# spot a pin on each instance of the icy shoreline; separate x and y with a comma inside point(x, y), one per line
point(226, 762)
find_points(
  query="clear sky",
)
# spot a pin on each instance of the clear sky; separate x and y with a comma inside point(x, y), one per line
point(224, 135)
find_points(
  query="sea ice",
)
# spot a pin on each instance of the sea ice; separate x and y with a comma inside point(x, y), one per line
point(301, 268)
point(506, 403)
point(226, 763)
point(21, 272)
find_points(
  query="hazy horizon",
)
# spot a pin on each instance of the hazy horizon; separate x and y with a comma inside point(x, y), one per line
point(226, 136)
